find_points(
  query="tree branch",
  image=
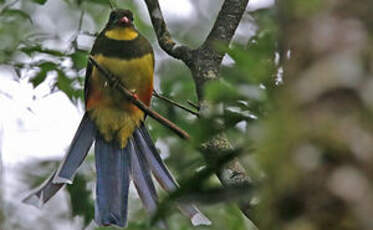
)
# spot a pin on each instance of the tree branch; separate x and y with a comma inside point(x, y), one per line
point(172, 102)
point(204, 63)
point(208, 57)
point(233, 173)
point(197, 107)
point(165, 40)
point(225, 25)
point(115, 83)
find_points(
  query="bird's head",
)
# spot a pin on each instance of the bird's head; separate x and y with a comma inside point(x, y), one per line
point(121, 18)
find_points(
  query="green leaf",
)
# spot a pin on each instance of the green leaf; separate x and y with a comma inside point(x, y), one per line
point(101, 2)
point(234, 218)
point(44, 69)
point(41, 2)
point(221, 91)
point(16, 13)
point(79, 59)
point(29, 50)
point(234, 114)
point(65, 84)
point(81, 204)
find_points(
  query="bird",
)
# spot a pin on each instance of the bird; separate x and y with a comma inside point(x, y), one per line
point(124, 150)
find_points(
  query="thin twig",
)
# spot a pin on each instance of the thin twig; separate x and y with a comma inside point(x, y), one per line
point(75, 41)
point(80, 21)
point(74, 38)
point(157, 95)
point(115, 83)
point(197, 107)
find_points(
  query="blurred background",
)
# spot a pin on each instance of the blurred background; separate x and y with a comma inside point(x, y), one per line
point(295, 98)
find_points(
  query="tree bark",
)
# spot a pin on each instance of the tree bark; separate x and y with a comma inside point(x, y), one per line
point(204, 63)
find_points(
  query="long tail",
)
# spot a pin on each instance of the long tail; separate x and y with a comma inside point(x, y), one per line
point(138, 159)
point(113, 169)
point(143, 181)
point(148, 152)
point(142, 178)
point(77, 152)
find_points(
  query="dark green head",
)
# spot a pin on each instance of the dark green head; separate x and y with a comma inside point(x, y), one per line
point(120, 18)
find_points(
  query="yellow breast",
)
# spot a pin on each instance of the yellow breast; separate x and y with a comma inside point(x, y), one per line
point(125, 34)
point(114, 116)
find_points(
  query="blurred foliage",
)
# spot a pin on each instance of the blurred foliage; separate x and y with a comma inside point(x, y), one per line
point(81, 201)
point(316, 144)
point(41, 2)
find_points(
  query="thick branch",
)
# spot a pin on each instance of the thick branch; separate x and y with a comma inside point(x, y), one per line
point(204, 63)
point(207, 57)
point(225, 25)
point(233, 173)
point(164, 38)
point(205, 69)
point(115, 83)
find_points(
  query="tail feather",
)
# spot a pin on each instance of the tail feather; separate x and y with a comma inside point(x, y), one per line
point(40, 195)
point(163, 175)
point(78, 150)
point(142, 178)
point(113, 168)
point(160, 170)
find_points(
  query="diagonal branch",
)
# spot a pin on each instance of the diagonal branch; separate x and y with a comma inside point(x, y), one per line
point(115, 83)
point(208, 57)
point(225, 25)
point(165, 40)
point(172, 102)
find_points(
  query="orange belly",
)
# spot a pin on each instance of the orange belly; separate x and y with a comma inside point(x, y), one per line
point(115, 117)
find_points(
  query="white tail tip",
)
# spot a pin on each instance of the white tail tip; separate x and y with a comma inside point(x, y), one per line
point(200, 219)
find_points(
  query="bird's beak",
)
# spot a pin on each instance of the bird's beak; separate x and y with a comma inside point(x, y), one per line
point(125, 20)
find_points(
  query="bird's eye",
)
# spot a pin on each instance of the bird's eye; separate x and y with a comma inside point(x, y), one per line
point(112, 17)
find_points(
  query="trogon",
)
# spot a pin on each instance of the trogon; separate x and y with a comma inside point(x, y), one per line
point(123, 148)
